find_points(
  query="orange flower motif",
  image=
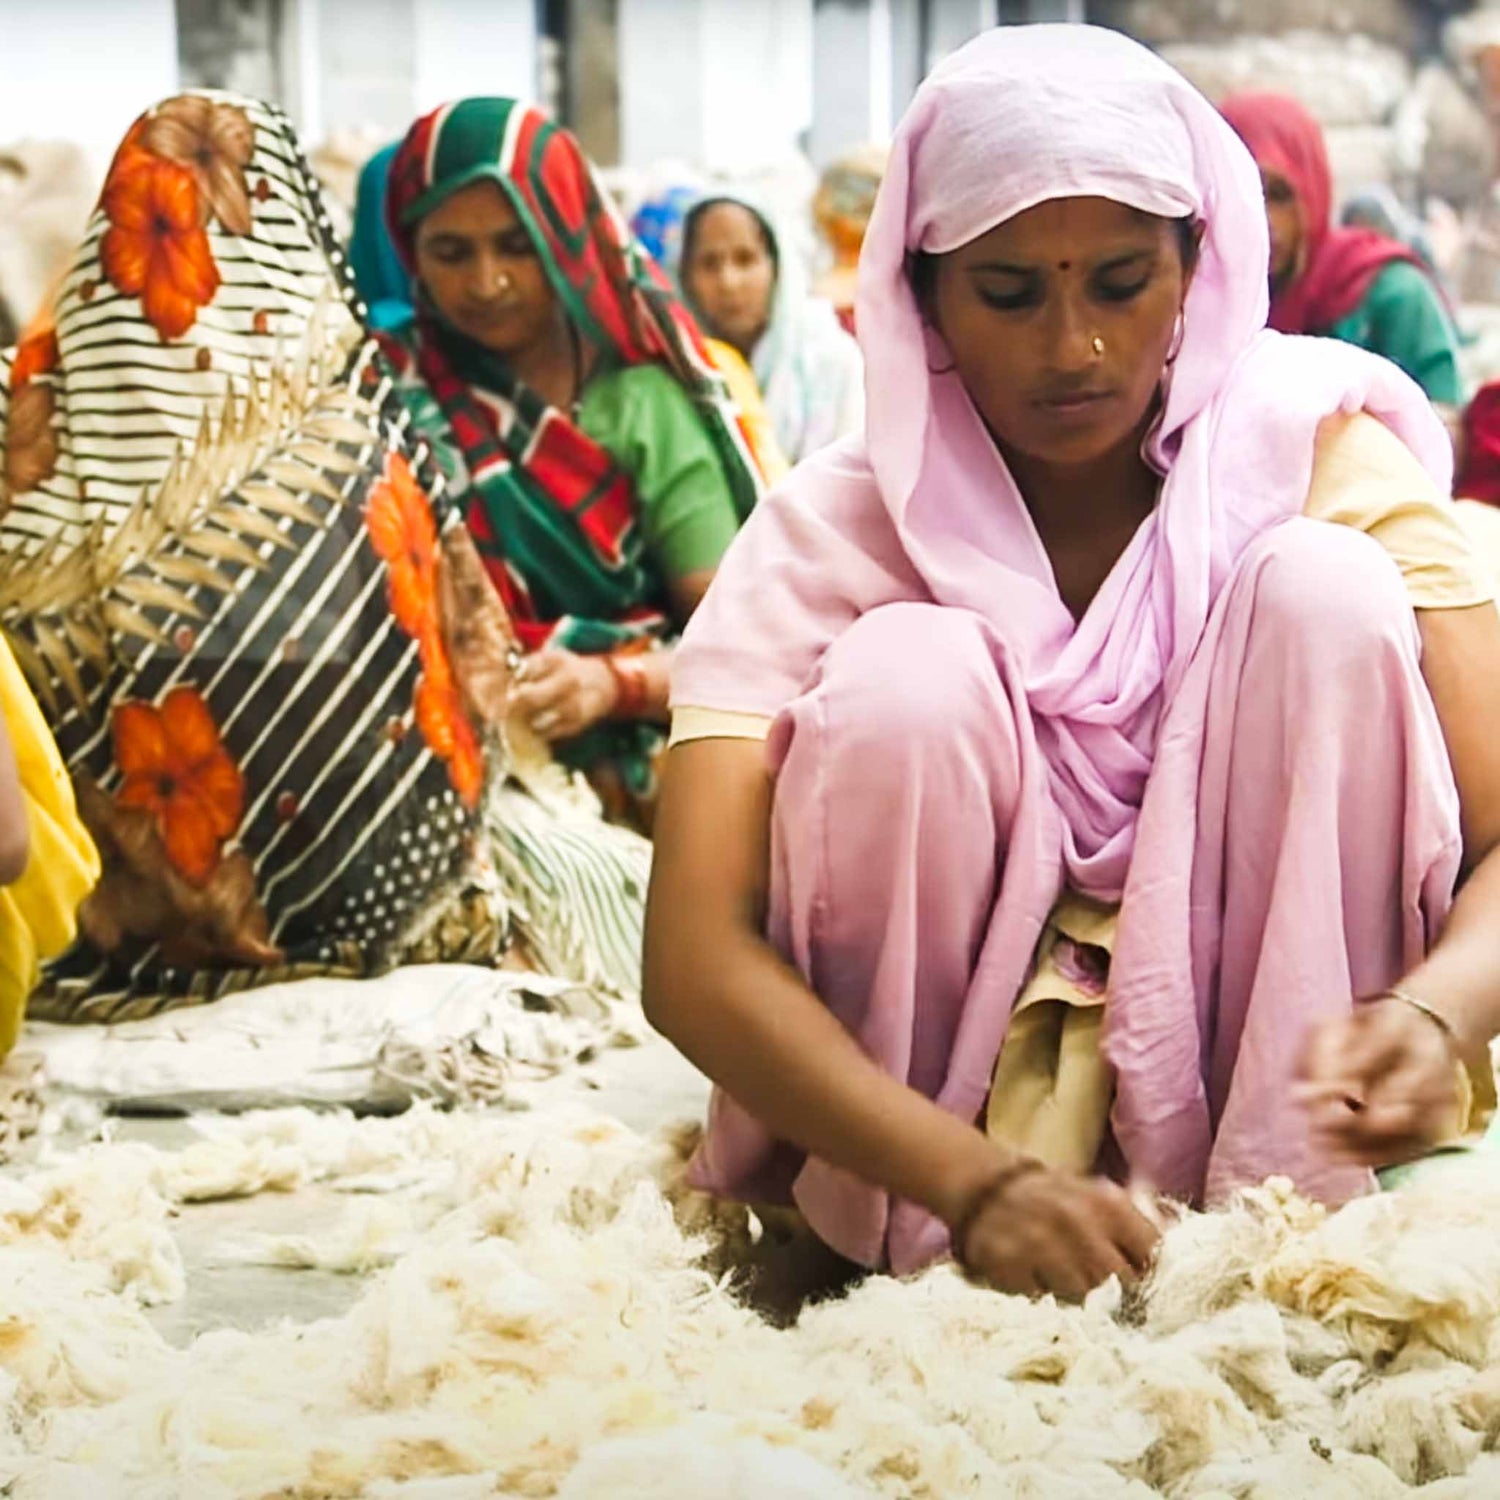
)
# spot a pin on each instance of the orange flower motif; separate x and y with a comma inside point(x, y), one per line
point(30, 456)
point(35, 355)
point(404, 535)
point(140, 898)
point(155, 247)
point(215, 143)
point(446, 728)
point(176, 768)
point(130, 147)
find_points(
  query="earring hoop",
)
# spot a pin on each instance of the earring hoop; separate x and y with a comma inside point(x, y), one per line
point(1178, 331)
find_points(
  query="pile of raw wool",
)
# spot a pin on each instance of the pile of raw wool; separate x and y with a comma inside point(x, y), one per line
point(549, 1317)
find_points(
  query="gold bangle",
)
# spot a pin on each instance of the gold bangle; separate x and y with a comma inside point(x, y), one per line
point(1434, 1015)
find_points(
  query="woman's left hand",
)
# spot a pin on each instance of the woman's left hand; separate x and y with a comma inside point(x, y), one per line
point(561, 694)
point(1381, 1085)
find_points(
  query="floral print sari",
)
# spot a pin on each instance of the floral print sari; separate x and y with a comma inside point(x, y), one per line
point(231, 577)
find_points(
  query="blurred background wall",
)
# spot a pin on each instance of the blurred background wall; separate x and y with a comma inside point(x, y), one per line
point(1409, 90)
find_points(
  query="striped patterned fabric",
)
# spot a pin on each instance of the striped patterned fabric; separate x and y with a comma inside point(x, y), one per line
point(220, 562)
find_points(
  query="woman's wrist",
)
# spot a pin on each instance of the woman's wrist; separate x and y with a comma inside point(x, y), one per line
point(1396, 995)
point(1442, 1006)
point(999, 1181)
point(631, 684)
point(969, 1176)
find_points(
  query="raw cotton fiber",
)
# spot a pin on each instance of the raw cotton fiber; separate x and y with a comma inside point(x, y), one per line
point(550, 1312)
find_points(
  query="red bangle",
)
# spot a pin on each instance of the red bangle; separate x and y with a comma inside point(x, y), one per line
point(632, 686)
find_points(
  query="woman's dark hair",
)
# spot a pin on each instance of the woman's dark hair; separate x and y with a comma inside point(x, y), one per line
point(690, 223)
point(921, 265)
point(1189, 241)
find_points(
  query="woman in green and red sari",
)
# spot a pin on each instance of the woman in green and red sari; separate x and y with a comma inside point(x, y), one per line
point(568, 395)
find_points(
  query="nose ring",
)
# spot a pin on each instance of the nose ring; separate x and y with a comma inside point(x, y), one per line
point(503, 283)
point(1098, 345)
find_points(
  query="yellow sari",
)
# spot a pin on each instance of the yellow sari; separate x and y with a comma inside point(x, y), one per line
point(38, 912)
point(754, 418)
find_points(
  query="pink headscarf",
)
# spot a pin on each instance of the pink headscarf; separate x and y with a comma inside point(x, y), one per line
point(924, 508)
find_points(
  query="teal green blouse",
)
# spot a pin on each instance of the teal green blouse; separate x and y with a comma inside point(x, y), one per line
point(1402, 317)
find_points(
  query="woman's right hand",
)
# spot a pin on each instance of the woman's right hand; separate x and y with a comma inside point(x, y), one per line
point(1048, 1231)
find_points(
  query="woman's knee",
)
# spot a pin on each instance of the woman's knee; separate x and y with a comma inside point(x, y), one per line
point(909, 679)
point(1325, 592)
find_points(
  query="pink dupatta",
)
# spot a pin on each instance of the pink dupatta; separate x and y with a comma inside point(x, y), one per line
point(923, 507)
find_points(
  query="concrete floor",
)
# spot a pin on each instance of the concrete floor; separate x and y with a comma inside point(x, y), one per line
point(643, 1087)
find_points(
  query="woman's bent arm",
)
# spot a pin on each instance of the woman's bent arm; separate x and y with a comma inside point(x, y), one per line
point(1381, 1085)
point(716, 988)
point(736, 1009)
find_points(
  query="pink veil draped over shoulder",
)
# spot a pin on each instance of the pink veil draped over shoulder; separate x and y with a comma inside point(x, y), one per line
point(923, 507)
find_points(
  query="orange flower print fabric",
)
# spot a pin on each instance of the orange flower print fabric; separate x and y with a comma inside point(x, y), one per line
point(243, 736)
point(30, 449)
point(35, 355)
point(398, 517)
point(215, 142)
point(176, 768)
point(179, 168)
point(399, 520)
point(445, 726)
point(30, 441)
point(155, 247)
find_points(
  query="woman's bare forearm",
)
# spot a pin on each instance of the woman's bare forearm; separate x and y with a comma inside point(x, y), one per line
point(724, 997)
point(658, 668)
point(1460, 977)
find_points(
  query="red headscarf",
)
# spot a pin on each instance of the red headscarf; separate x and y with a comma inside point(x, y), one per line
point(1339, 263)
point(1480, 477)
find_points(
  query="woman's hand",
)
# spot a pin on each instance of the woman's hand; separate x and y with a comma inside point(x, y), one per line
point(1380, 1086)
point(561, 694)
point(1048, 1231)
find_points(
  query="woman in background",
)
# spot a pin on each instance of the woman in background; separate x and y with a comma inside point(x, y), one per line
point(590, 441)
point(746, 292)
point(1354, 284)
point(269, 653)
point(379, 276)
point(841, 211)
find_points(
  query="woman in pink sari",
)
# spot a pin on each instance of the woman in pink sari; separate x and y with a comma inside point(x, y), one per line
point(1130, 671)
